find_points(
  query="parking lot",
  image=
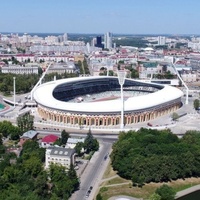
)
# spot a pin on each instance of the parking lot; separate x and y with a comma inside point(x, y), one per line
point(81, 164)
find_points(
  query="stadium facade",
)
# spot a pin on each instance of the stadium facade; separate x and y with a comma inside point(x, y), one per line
point(55, 101)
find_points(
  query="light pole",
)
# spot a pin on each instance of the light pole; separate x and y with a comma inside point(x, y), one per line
point(187, 90)
point(121, 79)
point(14, 90)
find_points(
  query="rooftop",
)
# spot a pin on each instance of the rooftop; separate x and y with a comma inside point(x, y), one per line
point(60, 151)
point(45, 91)
point(50, 138)
point(29, 134)
point(75, 140)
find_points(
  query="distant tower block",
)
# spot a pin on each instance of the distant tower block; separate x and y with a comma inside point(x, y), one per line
point(99, 42)
point(161, 40)
point(65, 37)
point(108, 40)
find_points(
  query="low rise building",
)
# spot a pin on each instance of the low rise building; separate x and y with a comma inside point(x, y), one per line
point(189, 76)
point(62, 68)
point(17, 69)
point(59, 155)
point(48, 141)
point(71, 142)
point(29, 135)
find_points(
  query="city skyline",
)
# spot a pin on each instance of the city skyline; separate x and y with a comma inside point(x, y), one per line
point(128, 16)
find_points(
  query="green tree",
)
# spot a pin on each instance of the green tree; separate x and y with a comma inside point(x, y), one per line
point(58, 142)
point(196, 104)
point(134, 73)
point(99, 197)
point(85, 66)
point(33, 166)
point(5, 61)
point(25, 122)
point(137, 155)
point(78, 148)
point(62, 185)
point(2, 150)
point(73, 177)
point(6, 128)
point(40, 185)
point(64, 137)
point(15, 133)
point(166, 192)
point(155, 196)
point(1, 139)
point(40, 71)
point(110, 73)
point(32, 147)
point(41, 60)
point(90, 143)
point(175, 116)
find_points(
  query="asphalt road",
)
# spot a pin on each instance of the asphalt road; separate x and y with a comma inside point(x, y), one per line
point(91, 174)
point(104, 137)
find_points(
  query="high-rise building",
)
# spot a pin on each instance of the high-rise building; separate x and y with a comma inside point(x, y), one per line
point(161, 40)
point(108, 40)
point(25, 37)
point(98, 42)
point(65, 37)
point(93, 42)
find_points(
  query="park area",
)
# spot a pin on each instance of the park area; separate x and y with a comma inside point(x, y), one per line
point(114, 185)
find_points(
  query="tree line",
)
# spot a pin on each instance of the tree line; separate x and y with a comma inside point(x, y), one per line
point(24, 178)
point(24, 124)
point(89, 146)
point(156, 156)
point(24, 83)
point(83, 67)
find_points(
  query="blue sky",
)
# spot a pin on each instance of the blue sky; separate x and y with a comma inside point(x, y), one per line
point(100, 16)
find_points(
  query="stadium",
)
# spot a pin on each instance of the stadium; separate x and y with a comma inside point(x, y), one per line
point(95, 101)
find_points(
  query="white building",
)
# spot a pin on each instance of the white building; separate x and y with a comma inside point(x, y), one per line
point(51, 40)
point(161, 40)
point(62, 68)
point(194, 45)
point(108, 40)
point(93, 42)
point(17, 69)
point(25, 57)
point(71, 142)
point(25, 37)
point(189, 76)
point(60, 156)
point(65, 37)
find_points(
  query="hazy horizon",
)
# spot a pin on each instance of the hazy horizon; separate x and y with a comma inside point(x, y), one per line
point(177, 17)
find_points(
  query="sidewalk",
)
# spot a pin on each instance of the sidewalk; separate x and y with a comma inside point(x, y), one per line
point(123, 198)
point(187, 191)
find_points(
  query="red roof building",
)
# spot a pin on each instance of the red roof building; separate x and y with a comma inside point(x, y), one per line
point(48, 140)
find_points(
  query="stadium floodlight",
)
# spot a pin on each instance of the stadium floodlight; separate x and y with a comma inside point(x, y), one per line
point(186, 87)
point(14, 91)
point(121, 79)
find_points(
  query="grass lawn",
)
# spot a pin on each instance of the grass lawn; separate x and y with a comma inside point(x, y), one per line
point(116, 180)
point(109, 172)
point(113, 185)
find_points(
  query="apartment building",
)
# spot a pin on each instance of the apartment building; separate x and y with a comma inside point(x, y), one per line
point(59, 155)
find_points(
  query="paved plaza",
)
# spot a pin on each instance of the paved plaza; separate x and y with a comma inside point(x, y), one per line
point(123, 198)
point(190, 121)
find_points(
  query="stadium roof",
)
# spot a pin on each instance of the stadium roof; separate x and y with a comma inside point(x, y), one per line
point(44, 95)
